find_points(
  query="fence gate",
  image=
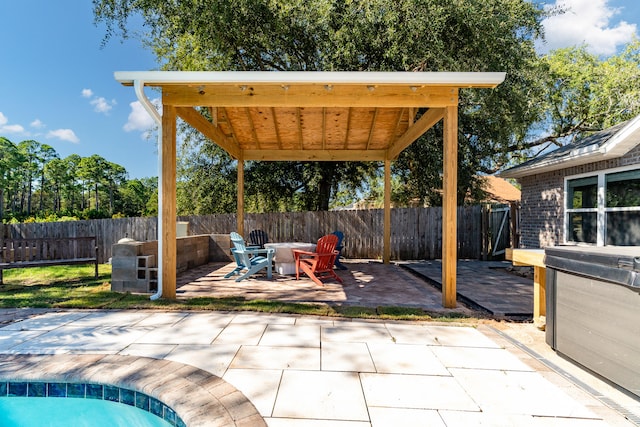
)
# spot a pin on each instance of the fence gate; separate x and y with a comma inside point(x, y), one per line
point(496, 235)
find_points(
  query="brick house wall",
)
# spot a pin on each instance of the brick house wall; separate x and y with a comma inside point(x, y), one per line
point(542, 205)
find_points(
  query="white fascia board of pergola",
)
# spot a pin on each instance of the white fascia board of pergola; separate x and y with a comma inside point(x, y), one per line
point(458, 79)
point(371, 80)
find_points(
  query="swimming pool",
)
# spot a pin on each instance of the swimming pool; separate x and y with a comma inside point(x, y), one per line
point(36, 404)
point(179, 393)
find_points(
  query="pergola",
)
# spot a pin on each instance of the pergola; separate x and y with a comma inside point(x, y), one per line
point(307, 116)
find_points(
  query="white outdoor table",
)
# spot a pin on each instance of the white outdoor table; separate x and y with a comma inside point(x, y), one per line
point(283, 257)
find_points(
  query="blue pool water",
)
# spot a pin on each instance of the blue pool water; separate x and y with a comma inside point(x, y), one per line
point(73, 412)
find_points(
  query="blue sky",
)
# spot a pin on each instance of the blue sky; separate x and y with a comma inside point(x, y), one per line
point(57, 85)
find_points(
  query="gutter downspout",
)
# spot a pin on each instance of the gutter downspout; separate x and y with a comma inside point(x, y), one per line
point(148, 106)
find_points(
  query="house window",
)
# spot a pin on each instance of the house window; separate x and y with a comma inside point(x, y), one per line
point(623, 208)
point(604, 209)
point(582, 209)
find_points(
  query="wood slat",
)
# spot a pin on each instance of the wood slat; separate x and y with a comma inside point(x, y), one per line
point(318, 155)
point(195, 119)
point(395, 96)
point(415, 131)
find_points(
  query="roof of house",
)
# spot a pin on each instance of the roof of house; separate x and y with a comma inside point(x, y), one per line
point(500, 190)
point(610, 143)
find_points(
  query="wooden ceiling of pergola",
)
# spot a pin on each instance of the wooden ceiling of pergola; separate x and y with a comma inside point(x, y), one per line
point(311, 116)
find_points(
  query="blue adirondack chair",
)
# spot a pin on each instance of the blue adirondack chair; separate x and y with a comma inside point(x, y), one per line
point(339, 247)
point(249, 261)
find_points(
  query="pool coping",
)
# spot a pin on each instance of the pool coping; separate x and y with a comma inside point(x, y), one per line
point(197, 396)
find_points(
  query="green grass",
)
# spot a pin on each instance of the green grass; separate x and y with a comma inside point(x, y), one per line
point(76, 287)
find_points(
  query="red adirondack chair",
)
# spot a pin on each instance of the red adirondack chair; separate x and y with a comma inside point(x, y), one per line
point(319, 264)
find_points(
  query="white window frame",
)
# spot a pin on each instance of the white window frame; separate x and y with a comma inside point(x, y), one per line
point(600, 208)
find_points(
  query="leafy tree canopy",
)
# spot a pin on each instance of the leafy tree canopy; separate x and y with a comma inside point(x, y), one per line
point(583, 94)
point(31, 171)
point(359, 35)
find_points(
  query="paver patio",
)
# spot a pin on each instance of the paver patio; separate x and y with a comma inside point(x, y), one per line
point(312, 371)
point(366, 283)
point(315, 371)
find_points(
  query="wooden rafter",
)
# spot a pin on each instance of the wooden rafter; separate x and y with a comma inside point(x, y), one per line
point(425, 122)
point(373, 127)
point(197, 120)
point(401, 115)
point(213, 112)
point(226, 120)
point(315, 155)
point(348, 130)
point(275, 126)
point(252, 127)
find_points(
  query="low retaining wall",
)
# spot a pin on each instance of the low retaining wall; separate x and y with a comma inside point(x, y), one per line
point(134, 264)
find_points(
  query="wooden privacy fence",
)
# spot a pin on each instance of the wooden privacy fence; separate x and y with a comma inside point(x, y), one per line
point(416, 233)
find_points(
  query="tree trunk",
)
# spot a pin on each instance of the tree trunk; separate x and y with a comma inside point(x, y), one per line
point(97, 204)
point(111, 199)
point(42, 191)
point(29, 195)
point(324, 194)
point(22, 198)
point(327, 171)
point(82, 205)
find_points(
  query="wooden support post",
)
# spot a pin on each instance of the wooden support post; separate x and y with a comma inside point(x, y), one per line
point(535, 258)
point(449, 207)
point(386, 252)
point(539, 292)
point(169, 247)
point(240, 207)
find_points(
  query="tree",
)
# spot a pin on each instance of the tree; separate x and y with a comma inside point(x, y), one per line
point(114, 176)
point(30, 151)
point(31, 162)
point(92, 170)
point(207, 178)
point(10, 160)
point(583, 94)
point(135, 195)
point(70, 185)
point(56, 174)
point(373, 35)
point(46, 154)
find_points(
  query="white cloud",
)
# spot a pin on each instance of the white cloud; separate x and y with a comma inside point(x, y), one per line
point(36, 124)
point(101, 105)
point(12, 129)
point(64, 135)
point(140, 120)
point(6, 128)
point(587, 22)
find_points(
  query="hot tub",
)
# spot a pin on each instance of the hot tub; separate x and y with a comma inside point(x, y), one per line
point(593, 309)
